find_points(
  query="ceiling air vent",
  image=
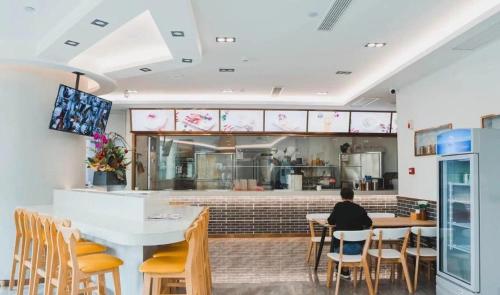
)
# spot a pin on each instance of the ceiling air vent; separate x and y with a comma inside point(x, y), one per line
point(276, 91)
point(332, 17)
point(363, 102)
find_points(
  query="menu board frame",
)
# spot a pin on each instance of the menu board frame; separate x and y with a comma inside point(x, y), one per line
point(219, 130)
point(329, 132)
point(242, 132)
point(151, 131)
point(392, 121)
point(201, 131)
point(377, 133)
point(287, 110)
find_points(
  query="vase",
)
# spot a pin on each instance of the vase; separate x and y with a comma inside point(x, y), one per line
point(108, 181)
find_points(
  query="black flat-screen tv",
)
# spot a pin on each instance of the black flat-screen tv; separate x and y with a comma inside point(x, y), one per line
point(79, 112)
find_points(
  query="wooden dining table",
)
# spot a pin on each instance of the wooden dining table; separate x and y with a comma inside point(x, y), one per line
point(377, 222)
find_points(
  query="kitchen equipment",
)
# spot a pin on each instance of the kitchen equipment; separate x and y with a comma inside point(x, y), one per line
point(356, 166)
point(464, 260)
point(294, 182)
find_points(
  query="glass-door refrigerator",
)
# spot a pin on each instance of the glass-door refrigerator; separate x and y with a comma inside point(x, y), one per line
point(469, 212)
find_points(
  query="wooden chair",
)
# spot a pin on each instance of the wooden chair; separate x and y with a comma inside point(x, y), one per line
point(76, 270)
point(352, 261)
point(424, 254)
point(314, 241)
point(18, 247)
point(189, 269)
point(391, 256)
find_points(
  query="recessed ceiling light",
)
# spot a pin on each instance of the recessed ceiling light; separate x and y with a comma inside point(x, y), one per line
point(375, 45)
point(322, 93)
point(145, 69)
point(226, 70)
point(29, 9)
point(177, 33)
point(187, 60)
point(227, 90)
point(343, 72)
point(99, 23)
point(225, 39)
point(71, 43)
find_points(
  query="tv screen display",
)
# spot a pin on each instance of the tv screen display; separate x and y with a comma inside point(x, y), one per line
point(79, 112)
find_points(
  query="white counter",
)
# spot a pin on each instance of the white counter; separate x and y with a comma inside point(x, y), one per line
point(120, 221)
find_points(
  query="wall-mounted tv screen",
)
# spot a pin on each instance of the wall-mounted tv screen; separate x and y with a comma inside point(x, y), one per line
point(79, 112)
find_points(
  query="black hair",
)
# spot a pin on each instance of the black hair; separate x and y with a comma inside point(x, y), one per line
point(347, 194)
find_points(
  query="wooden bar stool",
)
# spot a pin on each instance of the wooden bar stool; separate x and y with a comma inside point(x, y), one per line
point(189, 269)
point(27, 255)
point(18, 246)
point(81, 269)
point(424, 254)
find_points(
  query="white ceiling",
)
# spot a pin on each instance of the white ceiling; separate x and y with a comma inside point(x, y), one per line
point(278, 44)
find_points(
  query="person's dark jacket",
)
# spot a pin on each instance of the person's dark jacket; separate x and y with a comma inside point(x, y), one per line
point(349, 216)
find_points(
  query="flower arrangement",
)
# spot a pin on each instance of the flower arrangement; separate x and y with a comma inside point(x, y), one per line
point(110, 154)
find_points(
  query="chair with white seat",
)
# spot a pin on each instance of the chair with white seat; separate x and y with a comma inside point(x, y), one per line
point(389, 255)
point(351, 261)
point(423, 254)
point(314, 241)
point(381, 215)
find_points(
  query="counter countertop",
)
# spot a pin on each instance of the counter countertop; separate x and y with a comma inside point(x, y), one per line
point(195, 193)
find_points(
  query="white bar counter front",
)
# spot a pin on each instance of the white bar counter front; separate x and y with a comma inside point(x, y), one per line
point(122, 221)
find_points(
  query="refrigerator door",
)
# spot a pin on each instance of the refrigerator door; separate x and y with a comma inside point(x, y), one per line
point(458, 259)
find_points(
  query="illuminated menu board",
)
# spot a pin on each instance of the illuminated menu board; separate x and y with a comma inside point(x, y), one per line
point(152, 120)
point(286, 121)
point(394, 124)
point(242, 120)
point(328, 121)
point(370, 122)
point(197, 120)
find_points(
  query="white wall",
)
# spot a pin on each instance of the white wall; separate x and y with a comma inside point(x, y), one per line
point(459, 94)
point(34, 160)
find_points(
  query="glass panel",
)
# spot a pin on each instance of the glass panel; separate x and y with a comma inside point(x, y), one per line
point(257, 162)
point(455, 218)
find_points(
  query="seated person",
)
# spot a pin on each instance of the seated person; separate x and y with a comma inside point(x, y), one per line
point(347, 215)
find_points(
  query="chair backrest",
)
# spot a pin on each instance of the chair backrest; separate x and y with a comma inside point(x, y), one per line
point(428, 232)
point(193, 263)
point(390, 234)
point(381, 215)
point(351, 236)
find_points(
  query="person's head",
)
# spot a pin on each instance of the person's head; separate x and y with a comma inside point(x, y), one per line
point(347, 194)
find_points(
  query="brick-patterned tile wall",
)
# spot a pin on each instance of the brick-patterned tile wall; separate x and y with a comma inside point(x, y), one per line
point(407, 205)
point(274, 214)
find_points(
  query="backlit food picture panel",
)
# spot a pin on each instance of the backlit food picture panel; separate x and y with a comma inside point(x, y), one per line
point(286, 121)
point(242, 120)
point(328, 122)
point(152, 120)
point(370, 122)
point(394, 124)
point(197, 120)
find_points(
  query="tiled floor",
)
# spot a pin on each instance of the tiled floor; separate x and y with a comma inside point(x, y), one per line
point(276, 266)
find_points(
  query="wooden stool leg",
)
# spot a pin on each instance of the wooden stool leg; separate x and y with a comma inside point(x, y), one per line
point(101, 282)
point(14, 264)
point(21, 279)
point(309, 251)
point(146, 290)
point(156, 286)
point(116, 281)
point(339, 270)
point(355, 276)
point(415, 279)
point(329, 273)
point(407, 274)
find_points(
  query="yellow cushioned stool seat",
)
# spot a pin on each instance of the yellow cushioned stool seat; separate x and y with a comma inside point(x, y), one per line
point(98, 262)
point(86, 247)
point(164, 265)
point(176, 252)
